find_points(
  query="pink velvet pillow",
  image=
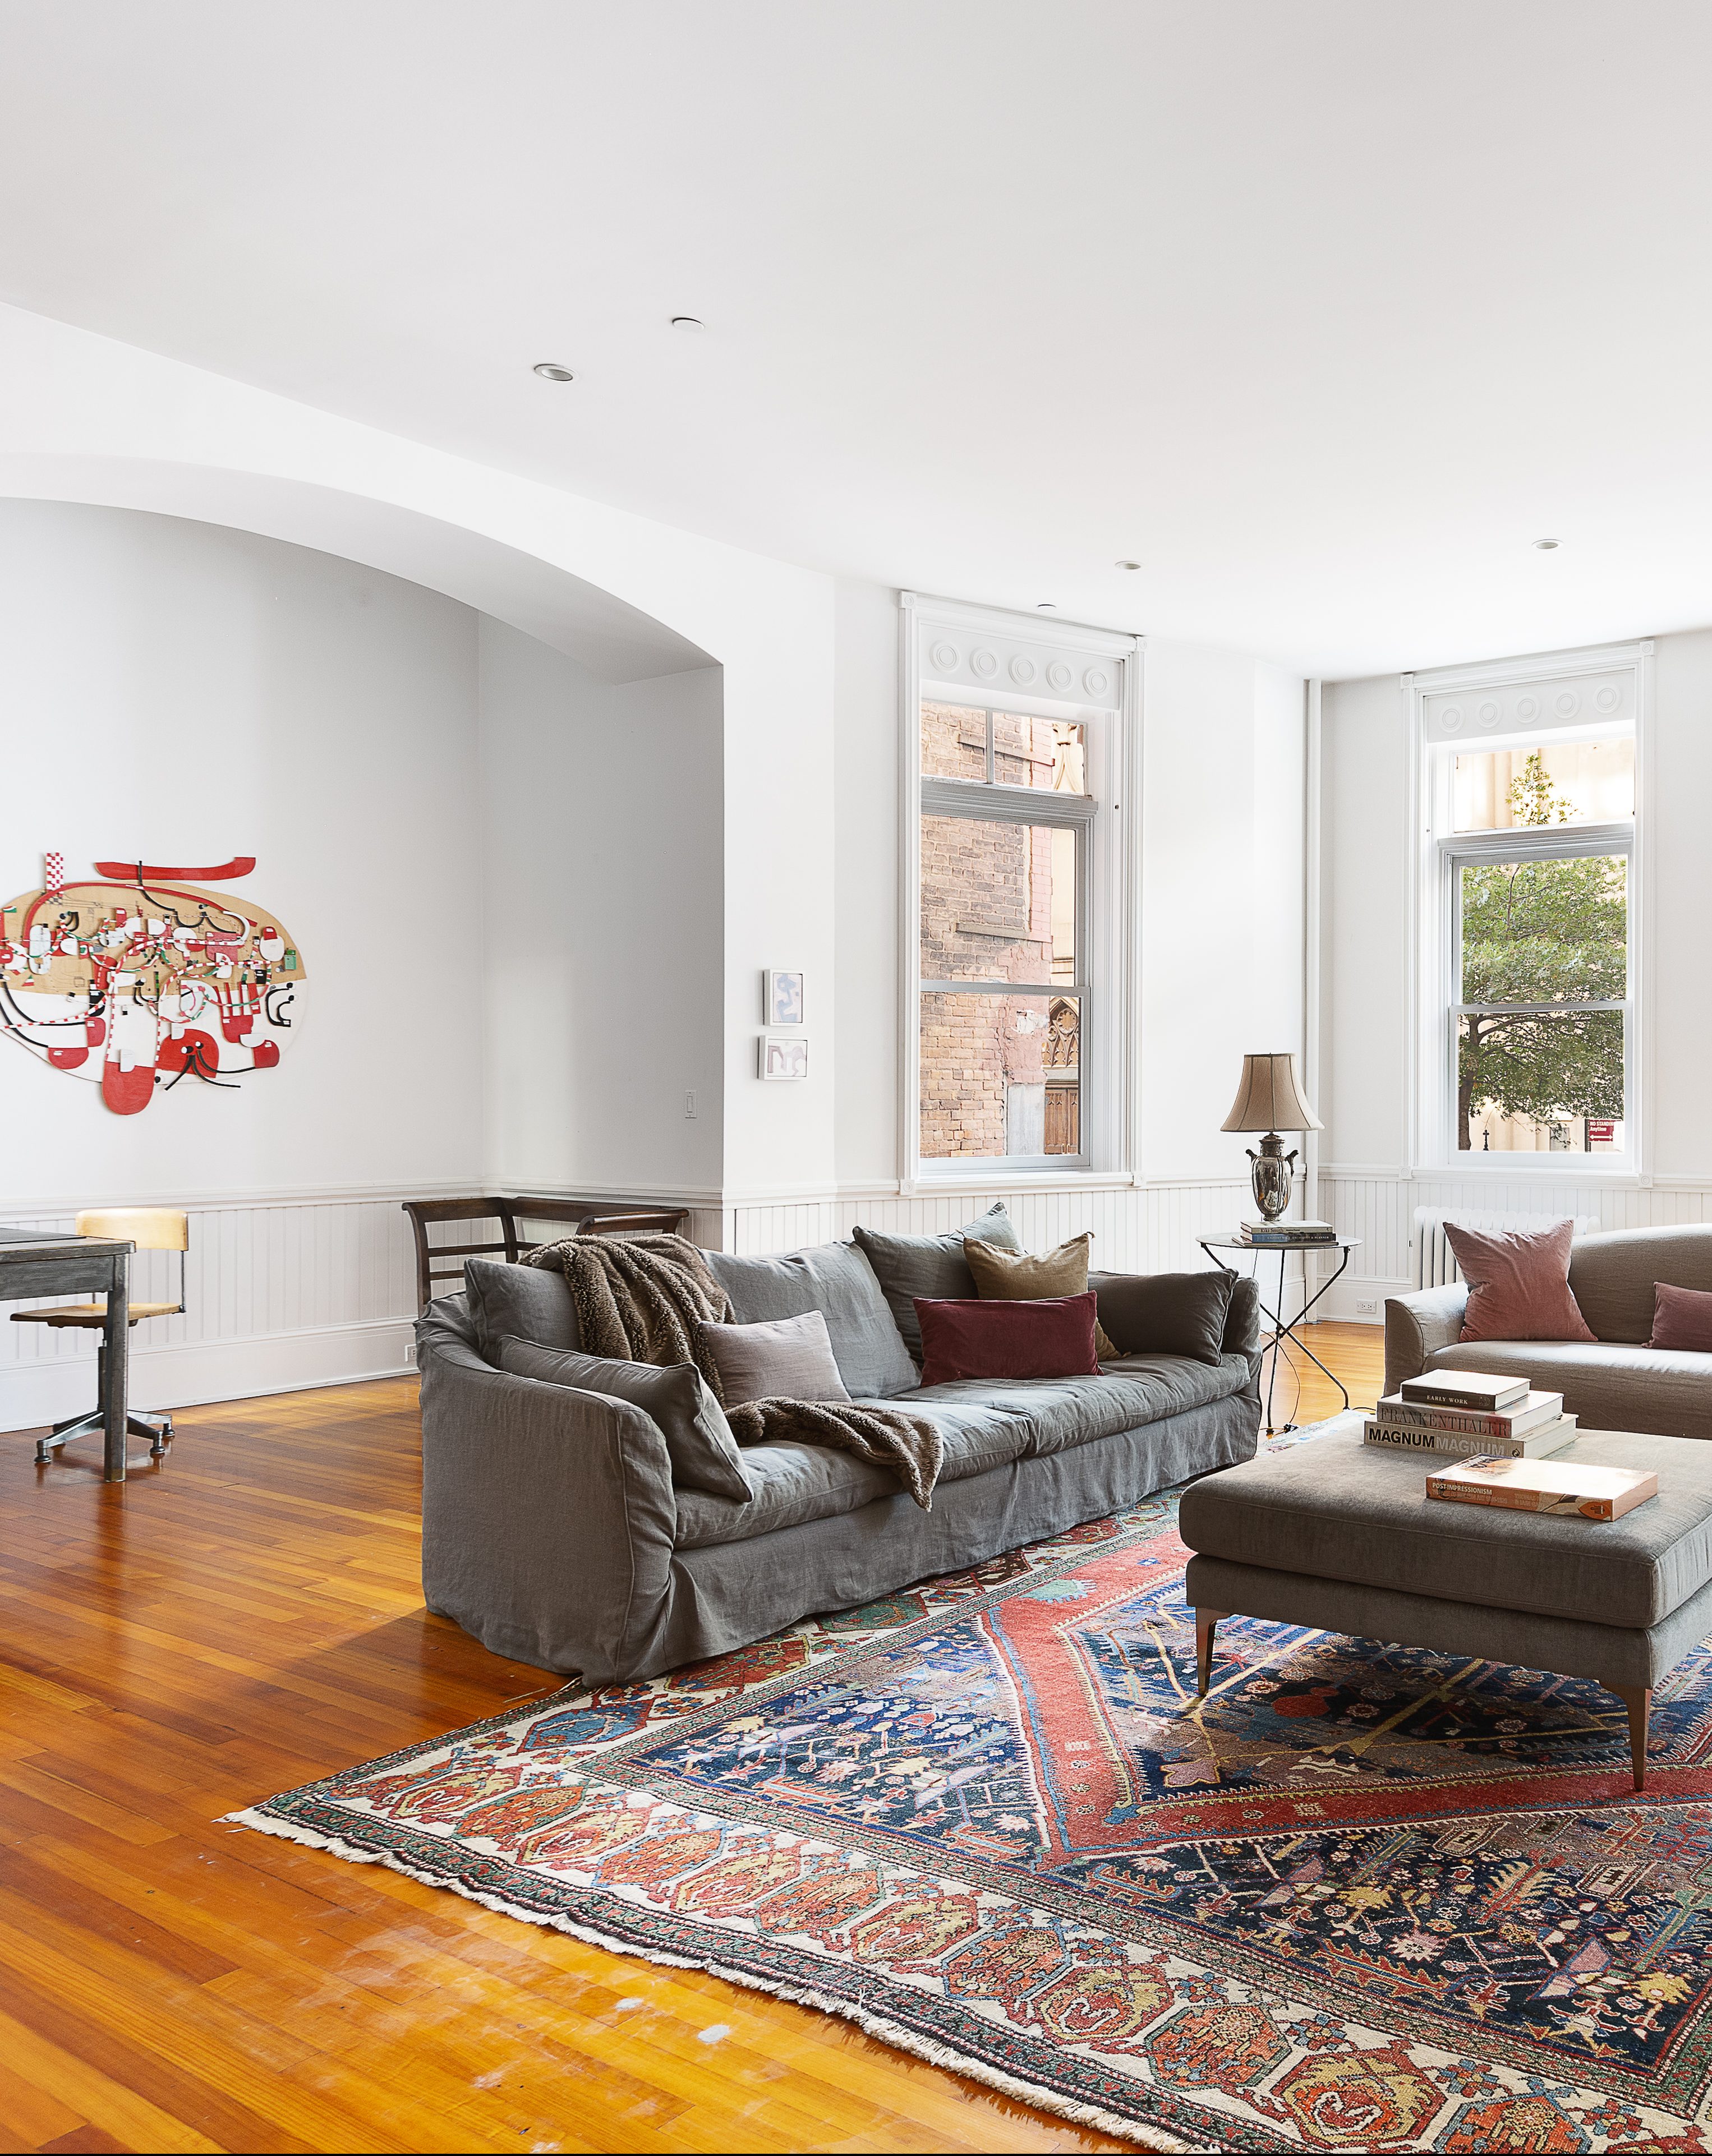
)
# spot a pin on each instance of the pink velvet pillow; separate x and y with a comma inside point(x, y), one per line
point(1053, 1337)
point(1519, 1285)
point(1682, 1318)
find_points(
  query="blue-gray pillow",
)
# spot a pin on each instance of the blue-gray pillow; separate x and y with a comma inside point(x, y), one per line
point(932, 1266)
point(698, 1441)
point(836, 1279)
point(518, 1303)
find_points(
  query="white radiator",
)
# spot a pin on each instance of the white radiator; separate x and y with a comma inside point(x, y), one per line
point(1435, 1266)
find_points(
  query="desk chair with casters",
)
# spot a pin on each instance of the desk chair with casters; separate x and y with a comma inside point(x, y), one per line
point(150, 1229)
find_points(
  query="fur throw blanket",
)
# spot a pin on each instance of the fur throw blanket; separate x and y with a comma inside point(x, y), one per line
point(645, 1298)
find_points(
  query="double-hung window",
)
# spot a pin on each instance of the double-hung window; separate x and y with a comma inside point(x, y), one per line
point(1015, 994)
point(1533, 932)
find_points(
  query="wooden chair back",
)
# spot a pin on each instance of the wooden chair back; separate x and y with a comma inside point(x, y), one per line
point(151, 1228)
point(639, 1220)
point(444, 1261)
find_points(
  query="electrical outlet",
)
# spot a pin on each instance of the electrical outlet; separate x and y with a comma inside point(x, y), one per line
point(1365, 1306)
point(689, 1104)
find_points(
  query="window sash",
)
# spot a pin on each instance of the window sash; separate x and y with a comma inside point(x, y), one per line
point(978, 802)
point(1539, 843)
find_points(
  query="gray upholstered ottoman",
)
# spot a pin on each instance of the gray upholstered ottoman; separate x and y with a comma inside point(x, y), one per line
point(1342, 1536)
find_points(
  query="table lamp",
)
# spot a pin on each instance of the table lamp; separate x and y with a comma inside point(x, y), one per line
point(1271, 1095)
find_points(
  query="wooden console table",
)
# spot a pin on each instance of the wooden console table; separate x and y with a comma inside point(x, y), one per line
point(33, 1264)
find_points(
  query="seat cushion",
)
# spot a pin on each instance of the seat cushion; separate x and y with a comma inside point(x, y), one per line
point(1039, 1415)
point(1608, 1386)
point(836, 1279)
point(932, 1265)
point(518, 1303)
point(791, 1483)
point(1335, 1508)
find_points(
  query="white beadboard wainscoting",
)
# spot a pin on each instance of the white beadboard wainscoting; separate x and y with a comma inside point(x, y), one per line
point(282, 1293)
point(1378, 1204)
point(1152, 1229)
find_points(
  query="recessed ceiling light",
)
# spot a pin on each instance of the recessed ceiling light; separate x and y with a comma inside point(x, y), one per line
point(1126, 565)
point(1047, 606)
point(549, 370)
point(1545, 545)
point(686, 323)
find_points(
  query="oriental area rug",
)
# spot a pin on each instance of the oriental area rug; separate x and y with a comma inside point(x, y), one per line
point(1361, 1898)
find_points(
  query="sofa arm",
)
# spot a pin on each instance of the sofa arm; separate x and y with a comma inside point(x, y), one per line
point(1242, 1326)
point(1417, 1326)
point(547, 1515)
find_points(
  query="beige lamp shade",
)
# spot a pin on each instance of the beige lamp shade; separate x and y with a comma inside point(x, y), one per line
point(1270, 1097)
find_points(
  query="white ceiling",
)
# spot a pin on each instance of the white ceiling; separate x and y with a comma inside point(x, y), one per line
point(1322, 310)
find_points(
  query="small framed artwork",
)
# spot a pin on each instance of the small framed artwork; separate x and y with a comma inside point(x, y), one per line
point(782, 1002)
point(785, 1055)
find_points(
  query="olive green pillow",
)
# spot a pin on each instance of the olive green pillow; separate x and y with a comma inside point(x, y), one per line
point(1014, 1276)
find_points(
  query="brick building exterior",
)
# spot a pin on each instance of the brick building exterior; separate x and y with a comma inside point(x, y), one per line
point(996, 1070)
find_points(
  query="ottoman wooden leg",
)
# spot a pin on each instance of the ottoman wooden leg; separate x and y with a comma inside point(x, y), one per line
point(1205, 1620)
point(1640, 1707)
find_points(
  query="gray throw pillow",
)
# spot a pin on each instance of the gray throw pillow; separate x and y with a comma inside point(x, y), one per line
point(1165, 1313)
point(791, 1359)
point(518, 1303)
point(836, 1279)
point(698, 1439)
point(930, 1266)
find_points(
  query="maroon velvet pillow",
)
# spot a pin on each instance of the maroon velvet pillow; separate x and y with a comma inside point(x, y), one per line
point(1518, 1284)
point(1053, 1338)
point(1682, 1318)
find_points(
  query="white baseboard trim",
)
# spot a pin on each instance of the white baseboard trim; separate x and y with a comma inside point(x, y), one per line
point(1353, 1288)
point(196, 1375)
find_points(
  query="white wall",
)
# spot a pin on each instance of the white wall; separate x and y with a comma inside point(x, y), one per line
point(1368, 1180)
point(187, 693)
point(602, 965)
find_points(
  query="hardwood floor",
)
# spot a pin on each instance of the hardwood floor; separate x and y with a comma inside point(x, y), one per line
point(249, 1617)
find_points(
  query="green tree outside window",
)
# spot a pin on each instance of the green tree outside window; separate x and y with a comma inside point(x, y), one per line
point(1543, 932)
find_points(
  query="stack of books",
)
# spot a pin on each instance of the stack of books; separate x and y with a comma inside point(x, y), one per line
point(1285, 1235)
point(1469, 1412)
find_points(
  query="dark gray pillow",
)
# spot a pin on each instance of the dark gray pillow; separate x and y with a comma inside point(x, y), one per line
point(836, 1279)
point(698, 1439)
point(790, 1359)
point(932, 1266)
point(518, 1303)
point(1165, 1313)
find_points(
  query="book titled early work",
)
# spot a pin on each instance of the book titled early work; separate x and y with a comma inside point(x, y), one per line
point(1571, 1488)
point(1409, 1437)
point(1479, 1389)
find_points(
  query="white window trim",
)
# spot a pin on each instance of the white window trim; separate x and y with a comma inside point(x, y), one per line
point(1431, 926)
point(1112, 884)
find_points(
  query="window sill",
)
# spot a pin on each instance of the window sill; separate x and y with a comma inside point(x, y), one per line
point(1576, 1167)
point(995, 1176)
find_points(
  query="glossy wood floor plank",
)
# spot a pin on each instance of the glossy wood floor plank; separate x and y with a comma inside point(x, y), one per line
point(247, 1617)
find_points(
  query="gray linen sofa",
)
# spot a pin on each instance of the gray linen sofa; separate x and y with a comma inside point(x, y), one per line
point(1615, 1382)
point(552, 1530)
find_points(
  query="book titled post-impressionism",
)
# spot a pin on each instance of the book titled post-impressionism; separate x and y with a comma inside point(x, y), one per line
point(1571, 1488)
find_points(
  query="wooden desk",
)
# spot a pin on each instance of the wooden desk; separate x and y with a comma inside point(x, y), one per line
point(33, 1264)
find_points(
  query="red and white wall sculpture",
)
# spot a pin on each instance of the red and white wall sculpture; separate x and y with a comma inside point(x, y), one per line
point(140, 978)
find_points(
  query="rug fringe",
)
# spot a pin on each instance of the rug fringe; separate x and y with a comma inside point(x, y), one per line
point(900, 2037)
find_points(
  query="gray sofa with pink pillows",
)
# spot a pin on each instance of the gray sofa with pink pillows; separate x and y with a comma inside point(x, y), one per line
point(1618, 1380)
point(580, 1515)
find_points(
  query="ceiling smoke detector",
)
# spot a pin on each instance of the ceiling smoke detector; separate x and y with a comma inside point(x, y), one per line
point(549, 370)
point(1126, 565)
point(687, 322)
point(1543, 546)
